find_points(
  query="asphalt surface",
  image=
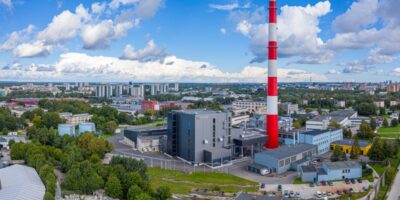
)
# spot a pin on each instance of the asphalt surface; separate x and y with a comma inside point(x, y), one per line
point(394, 193)
point(237, 167)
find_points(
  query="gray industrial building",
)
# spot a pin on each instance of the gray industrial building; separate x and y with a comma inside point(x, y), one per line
point(206, 137)
point(200, 136)
point(146, 139)
point(288, 157)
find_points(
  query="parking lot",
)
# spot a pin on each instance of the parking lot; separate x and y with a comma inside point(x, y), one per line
point(307, 192)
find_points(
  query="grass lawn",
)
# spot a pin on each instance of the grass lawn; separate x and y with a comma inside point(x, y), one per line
point(389, 129)
point(298, 181)
point(379, 168)
point(355, 195)
point(181, 182)
point(389, 135)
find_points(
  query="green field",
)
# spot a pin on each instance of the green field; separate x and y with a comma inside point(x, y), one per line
point(389, 129)
point(182, 183)
point(389, 135)
point(379, 168)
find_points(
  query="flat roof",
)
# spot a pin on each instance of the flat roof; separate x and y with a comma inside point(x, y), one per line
point(288, 150)
point(199, 112)
point(361, 143)
point(342, 164)
point(317, 132)
point(308, 168)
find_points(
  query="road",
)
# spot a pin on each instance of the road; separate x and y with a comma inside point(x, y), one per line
point(394, 193)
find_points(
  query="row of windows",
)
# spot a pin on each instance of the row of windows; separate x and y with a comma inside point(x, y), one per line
point(346, 171)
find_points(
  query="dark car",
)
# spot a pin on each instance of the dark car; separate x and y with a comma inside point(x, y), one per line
point(262, 185)
point(311, 184)
point(359, 180)
point(353, 181)
point(330, 183)
point(279, 188)
point(347, 181)
point(323, 183)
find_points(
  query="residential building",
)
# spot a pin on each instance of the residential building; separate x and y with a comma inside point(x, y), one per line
point(87, 127)
point(19, 182)
point(236, 120)
point(289, 108)
point(393, 87)
point(150, 106)
point(3, 92)
point(286, 157)
point(379, 104)
point(331, 171)
point(251, 106)
point(4, 140)
point(346, 145)
point(136, 91)
point(76, 119)
point(342, 117)
point(341, 104)
point(321, 138)
point(200, 136)
point(66, 129)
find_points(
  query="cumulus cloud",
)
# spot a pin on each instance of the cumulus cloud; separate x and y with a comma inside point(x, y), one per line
point(395, 71)
point(355, 69)
point(374, 57)
point(35, 49)
point(98, 8)
point(7, 3)
point(16, 37)
point(76, 66)
point(294, 40)
point(64, 26)
point(149, 53)
point(359, 15)
point(333, 71)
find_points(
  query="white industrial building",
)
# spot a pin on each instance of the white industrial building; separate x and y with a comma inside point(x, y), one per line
point(19, 182)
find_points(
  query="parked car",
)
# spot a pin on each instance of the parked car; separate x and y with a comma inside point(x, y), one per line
point(279, 188)
point(330, 183)
point(262, 185)
point(311, 184)
point(298, 195)
point(318, 194)
point(291, 194)
point(319, 184)
point(359, 180)
point(353, 181)
point(286, 194)
point(329, 194)
point(339, 192)
point(347, 181)
point(323, 183)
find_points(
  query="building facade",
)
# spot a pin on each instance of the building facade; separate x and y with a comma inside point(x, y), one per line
point(87, 127)
point(346, 145)
point(200, 136)
point(66, 129)
point(331, 171)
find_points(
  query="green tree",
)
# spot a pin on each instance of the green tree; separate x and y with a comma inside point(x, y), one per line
point(372, 123)
point(48, 196)
point(385, 123)
point(355, 149)
point(337, 154)
point(366, 109)
point(133, 192)
point(377, 151)
point(143, 196)
point(394, 123)
point(113, 187)
point(365, 131)
point(347, 133)
point(110, 127)
point(389, 175)
point(163, 193)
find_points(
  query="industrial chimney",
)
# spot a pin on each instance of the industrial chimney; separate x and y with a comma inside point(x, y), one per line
point(272, 90)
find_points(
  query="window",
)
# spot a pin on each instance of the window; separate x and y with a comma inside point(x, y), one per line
point(281, 163)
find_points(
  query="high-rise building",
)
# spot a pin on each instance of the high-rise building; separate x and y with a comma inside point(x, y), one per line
point(136, 90)
point(393, 87)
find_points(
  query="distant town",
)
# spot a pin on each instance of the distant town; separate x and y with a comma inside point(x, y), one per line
point(198, 140)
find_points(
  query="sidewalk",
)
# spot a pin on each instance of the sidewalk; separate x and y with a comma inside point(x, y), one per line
point(394, 193)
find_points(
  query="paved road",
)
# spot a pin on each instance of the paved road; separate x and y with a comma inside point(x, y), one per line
point(394, 193)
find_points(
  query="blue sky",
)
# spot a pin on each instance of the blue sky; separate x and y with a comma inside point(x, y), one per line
point(197, 40)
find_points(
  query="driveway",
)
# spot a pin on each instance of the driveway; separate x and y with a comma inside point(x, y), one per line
point(394, 193)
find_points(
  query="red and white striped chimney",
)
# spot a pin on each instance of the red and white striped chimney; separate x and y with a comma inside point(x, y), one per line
point(272, 90)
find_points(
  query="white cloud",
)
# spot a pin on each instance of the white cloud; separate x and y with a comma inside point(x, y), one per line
point(7, 3)
point(29, 50)
point(294, 40)
point(231, 6)
point(355, 69)
point(98, 8)
point(149, 53)
point(116, 3)
point(333, 71)
point(147, 8)
point(64, 26)
point(99, 36)
point(360, 14)
point(223, 31)
point(395, 71)
point(16, 37)
point(79, 66)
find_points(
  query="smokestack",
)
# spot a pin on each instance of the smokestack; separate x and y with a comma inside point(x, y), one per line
point(272, 96)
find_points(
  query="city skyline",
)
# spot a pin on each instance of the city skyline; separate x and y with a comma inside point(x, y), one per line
point(197, 41)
